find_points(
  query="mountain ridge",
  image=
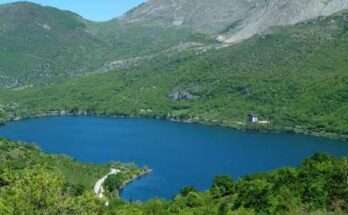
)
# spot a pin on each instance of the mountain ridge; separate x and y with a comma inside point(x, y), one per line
point(295, 77)
point(232, 21)
point(41, 45)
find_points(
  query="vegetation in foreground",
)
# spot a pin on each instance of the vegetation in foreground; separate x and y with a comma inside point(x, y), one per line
point(32, 182)
point(295, 77)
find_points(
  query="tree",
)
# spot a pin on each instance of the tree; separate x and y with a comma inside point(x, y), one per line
point(39, 190)
point(194, 200)
point(222, 186)
point(315, 173)
point(254, 194)
point(4, 209)
point(223, 209)
point(155, 207)
point(3, 182)
point(114, 182)
point(186, 190)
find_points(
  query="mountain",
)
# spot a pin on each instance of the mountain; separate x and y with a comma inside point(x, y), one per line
point(41, 45)
point(296, 77)
point(292, 76)
point(232, 20)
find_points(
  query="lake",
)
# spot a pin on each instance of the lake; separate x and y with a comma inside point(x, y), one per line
point(180, 154)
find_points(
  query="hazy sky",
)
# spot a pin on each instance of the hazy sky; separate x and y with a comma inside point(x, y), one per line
point(98, 10)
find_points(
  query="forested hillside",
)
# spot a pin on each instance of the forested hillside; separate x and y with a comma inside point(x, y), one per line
point(33, 182)
point(42, 45)
point(295, 77)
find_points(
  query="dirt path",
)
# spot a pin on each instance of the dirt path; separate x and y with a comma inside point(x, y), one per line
point(98, 187)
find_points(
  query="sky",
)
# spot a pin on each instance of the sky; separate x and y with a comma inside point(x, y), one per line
point(96, 10)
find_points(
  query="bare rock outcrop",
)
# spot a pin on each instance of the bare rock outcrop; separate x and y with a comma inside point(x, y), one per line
point(231, 21)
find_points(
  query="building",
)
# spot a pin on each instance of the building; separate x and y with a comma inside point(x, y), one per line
point(252, 118)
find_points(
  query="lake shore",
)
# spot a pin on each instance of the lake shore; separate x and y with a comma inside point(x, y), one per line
point(235, 125)
point(165, 147)
point(99, 189)
point(134, 179)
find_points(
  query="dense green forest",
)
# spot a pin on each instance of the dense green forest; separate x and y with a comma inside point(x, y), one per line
point(32, 182)
point(295, 77)
point(41, 45)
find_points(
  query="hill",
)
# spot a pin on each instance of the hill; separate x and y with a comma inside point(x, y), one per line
point(41, 45)
point(232, 20)
point(294, 77)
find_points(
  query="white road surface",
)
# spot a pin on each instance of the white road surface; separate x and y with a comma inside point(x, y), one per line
point(98, 187)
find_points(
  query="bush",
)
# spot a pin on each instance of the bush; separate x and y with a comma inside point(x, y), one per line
point(222, 186)
point(187, 190)
point(114, 182)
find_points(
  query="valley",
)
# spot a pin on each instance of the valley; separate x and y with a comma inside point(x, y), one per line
point(250, 76)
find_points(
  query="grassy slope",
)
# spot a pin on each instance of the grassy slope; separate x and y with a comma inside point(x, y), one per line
point(134, 40)
point(41, 45)
point(296, 77)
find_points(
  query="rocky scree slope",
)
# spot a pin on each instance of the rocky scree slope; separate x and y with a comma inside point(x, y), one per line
point(232, 20)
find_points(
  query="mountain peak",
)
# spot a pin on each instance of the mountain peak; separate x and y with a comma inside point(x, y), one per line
point(22, 5)
point(232, 20)
point(24, 8)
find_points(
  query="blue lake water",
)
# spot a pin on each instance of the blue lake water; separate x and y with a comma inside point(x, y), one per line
point(179, 154)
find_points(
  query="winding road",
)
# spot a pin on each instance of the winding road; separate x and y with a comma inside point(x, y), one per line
point(98, 187)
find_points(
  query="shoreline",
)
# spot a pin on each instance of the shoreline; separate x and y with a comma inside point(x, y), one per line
point(135, 178)
point(236, 126)
point(99, 189)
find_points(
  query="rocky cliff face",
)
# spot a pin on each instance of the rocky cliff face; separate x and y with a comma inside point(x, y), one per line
point(232, 20)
